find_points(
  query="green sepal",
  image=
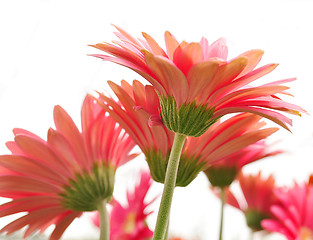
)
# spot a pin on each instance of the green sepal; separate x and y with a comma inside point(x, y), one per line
point(88, 189)
point(254, 219)
point(221, 176)
point(188, 168)
point(189, 119)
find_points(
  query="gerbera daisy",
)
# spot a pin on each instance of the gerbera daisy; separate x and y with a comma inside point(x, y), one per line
point(129, 222)
point(54, 181)
point(292, 216)
point(222, 173)
point(138, 102)
point(258, 197)
point(197, 84)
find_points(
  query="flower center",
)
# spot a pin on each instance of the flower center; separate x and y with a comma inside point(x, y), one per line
point(130, 223)
point(85, 191)
point(306, 234)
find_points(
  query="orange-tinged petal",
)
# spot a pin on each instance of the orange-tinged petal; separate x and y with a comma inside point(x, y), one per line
point(271, 115)
point(225, 74)
point(249, 93)
point(240, 82)
point(64, 149)
point(27, 204)
point(153, 103)
point(241, 142)
point(199, 76)
point(127, 35)
point(171, 44)
point(67, 127)
point(168, 74)
point(42, 215)
point(185, 57)
point(229, 132)
point(129, 105)
point(26, 184)
point(254, 56)
point(30, 167)
point(42, 153)
point(122, 118)
point(139, 93)
point(154, 46)
point(124, 55)
point(63, 224)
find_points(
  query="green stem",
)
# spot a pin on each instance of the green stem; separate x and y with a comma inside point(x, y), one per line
point(166, 232)
point(169, 185)
point(222, 213)
point(104, 221)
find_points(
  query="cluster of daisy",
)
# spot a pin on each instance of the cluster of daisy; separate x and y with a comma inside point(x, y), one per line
point(179, 125)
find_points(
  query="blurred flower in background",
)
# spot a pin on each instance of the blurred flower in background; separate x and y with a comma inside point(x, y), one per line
point(129, 222)
point(292, 215)
point(54, 181)
point(258, 197)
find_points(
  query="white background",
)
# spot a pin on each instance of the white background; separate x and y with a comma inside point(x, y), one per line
point(44, 62)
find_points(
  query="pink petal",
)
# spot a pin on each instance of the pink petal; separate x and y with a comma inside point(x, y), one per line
point(200, 76)
point(169, 76)
point(154, 46)
point(171, 44)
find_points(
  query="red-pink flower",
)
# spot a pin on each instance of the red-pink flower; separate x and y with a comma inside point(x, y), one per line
point(138, 102)
point(129, 222)
point(196, 80)
point(54, 181)
point(292, 216)
point(258, 193)
point(223, 172)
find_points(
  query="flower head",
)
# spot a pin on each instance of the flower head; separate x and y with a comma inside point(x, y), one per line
point(129, 222)
point(292, 216)
point(258, 195)
point(54, 181)
point(138, 102)
point(197, 84)
point(223, 172)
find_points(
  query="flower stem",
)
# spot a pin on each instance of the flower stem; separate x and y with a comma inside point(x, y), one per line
point(222, 212)
point(104, 221)
point(166, 232)
point(169, 185)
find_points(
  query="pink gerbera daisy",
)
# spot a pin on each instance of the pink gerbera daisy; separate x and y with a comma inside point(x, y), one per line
point(292, 216)
point(129, 222)
point(197, 84)
point(54, 181)
point(138, 102)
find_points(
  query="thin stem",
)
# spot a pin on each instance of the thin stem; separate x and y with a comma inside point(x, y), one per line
point(104, 221)
point(166, 232)
point(222, 213)
point(169, 185)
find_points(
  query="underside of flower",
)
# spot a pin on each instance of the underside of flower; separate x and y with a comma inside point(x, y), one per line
point(254, 218)
point(188, 168)
point(88, 189)
point(188, 119)
point(221, 176)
